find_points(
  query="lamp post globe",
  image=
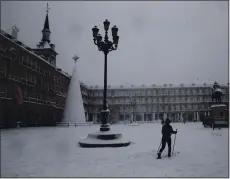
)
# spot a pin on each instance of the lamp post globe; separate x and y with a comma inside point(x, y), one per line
point(114, 30)
point(106, 25)
point(95, 32)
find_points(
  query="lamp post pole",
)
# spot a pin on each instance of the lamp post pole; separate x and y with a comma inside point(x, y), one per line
point(105, 46)
point(133, 103)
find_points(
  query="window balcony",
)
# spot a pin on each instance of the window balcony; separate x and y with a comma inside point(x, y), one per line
point(30, 99)
point(2, 94)
point(2, 72)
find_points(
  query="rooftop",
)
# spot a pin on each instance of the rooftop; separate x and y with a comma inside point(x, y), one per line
point(29, 50)
point(155, 86)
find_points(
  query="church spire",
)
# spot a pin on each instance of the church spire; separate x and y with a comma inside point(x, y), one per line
point(46, 24)
point(46, 30)
point(48, 55)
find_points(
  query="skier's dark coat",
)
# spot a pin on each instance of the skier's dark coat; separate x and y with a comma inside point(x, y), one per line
point(167, 131)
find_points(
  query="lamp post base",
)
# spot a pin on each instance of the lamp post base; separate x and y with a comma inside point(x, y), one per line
point(104, 117)
point(104, 139)
point(104, 128)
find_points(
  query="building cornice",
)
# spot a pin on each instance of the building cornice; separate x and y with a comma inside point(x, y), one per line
point(141, 87)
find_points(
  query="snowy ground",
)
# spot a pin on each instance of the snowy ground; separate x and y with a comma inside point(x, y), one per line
point(54, 152)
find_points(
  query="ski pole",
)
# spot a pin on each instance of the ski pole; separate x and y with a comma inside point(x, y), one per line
point(174, 144)
point(159, 147)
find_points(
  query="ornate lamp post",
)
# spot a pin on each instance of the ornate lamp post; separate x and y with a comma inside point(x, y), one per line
point(133, 103)
point(105, 46)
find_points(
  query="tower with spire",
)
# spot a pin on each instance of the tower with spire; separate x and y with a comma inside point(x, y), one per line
point(46, 30)
point(45, 48)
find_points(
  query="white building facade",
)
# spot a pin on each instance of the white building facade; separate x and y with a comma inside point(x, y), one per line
point(141, 103)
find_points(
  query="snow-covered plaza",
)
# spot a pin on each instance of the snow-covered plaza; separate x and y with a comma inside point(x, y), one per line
point(54, 152)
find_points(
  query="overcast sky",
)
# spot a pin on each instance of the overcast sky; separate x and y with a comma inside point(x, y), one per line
point(160, 42)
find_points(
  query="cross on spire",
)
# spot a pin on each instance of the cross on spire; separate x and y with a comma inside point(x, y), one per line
point(47, 7)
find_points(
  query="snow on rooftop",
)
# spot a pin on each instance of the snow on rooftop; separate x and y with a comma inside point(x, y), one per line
point(218, 105)
point(54, 152)
point(151, 86)
point(47, 45)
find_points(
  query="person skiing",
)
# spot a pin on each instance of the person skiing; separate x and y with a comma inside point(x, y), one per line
point(167, 131)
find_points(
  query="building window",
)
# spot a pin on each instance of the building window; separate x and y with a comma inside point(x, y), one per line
point(165, 92)
point(182, 92)
point(149, 93)
point(194, 91)
point(182, 106)
point(35, 79)
point(28, 60)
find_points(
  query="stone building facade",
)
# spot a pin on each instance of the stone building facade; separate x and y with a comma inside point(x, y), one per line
point(141, 103)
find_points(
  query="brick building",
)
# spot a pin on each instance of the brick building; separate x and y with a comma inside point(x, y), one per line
point(32, 88)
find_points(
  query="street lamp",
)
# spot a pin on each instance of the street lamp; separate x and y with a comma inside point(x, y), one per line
point(105, 46)
point(133, 103)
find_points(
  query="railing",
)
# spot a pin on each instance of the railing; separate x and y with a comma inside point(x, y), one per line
point(75, 124)
point(2, 94)
point(29, 99)
point(41, 101)
point(33, 83)
point(60, 94)
point(34, 68)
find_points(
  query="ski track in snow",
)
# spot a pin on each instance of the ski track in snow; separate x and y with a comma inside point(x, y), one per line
point(54, 152)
